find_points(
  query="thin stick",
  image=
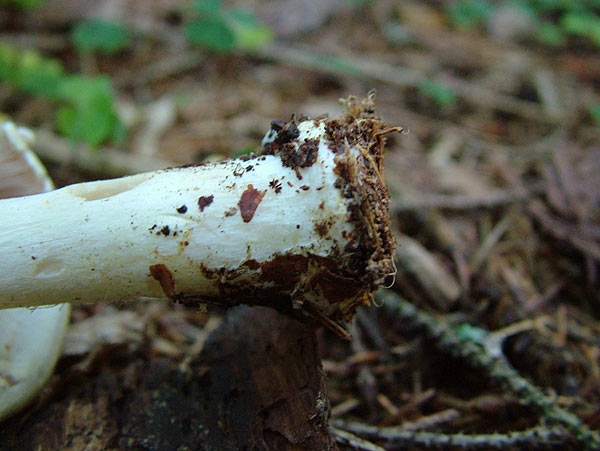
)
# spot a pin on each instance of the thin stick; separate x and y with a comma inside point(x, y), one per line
point(535, 438)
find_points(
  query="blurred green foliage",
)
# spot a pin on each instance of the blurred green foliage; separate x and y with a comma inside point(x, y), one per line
point(101, 36)
point(554, 21)
point(595, 113)
point(583, 24)
point(469, 13)
point(87, 106)
point(25, 4)
point(224, 30)
point(441, 94)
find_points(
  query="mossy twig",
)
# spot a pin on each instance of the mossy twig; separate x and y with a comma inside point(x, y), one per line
point(497, 368)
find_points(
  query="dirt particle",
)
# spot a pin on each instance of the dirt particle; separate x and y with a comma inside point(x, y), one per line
point(303, 156)
point(249, 168)
point(277, 125)
point(276, 185)
point(322, 228)
point(182, 209)
point(284, 270)
point(251, 264)
point(205, 201)
point(305, 187)
point(286, 132)
point(249, 202)
point(33, 258)
point(162, 274)
point(322, 205)
point(239, 170)
point(334, 287)
point(152, 228)
point(166, 231)
point(232, 211)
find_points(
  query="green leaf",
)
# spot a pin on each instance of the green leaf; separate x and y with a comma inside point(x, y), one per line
point(87, 110)
point(584, 24)
point(208, 7)
point(211, 33)
point(79, 89)
point(100, 35)
point(358, 3)
point(93, 103)
point(595, 113)
point(443, 95)
point(579, 23)
point(249, 33)
point(95, 123)
point(550, 34)
point(24, 4)
point(65, 119)
point(37, 75)
point(470, 13)
point(8, 63)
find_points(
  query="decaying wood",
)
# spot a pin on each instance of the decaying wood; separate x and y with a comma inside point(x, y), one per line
point(258, 384)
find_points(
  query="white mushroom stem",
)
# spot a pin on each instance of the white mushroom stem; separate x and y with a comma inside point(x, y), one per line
point(305, 226)
point(30, 339)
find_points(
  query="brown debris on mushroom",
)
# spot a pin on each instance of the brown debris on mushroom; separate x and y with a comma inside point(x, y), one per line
point(249, 202)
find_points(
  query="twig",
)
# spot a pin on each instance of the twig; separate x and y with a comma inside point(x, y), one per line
point(365, 380)
point(535, 438)
point(563, 232)
point(488, 244)
point(496, 367)
point(461, 202)
point(311, 59)
point(161, 69)
point(430, 421)
point(106, 161)
point(411, 405)
point(346, 438)
point(435, 279)
point(344, 407)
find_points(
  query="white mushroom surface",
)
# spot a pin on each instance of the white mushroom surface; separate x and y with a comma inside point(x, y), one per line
point(30, 339)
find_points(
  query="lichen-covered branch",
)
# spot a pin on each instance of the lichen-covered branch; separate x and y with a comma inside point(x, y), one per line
point(496, 367)
point(535, 438)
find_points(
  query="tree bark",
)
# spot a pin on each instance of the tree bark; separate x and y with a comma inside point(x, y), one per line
point(258, 384)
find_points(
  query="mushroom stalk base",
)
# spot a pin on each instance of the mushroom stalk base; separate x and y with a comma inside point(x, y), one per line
point(302, 226)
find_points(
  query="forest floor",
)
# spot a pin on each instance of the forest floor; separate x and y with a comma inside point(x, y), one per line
point(490, 335)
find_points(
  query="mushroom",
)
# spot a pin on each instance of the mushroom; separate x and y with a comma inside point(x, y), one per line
point(30, 339)
point(302, 226)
